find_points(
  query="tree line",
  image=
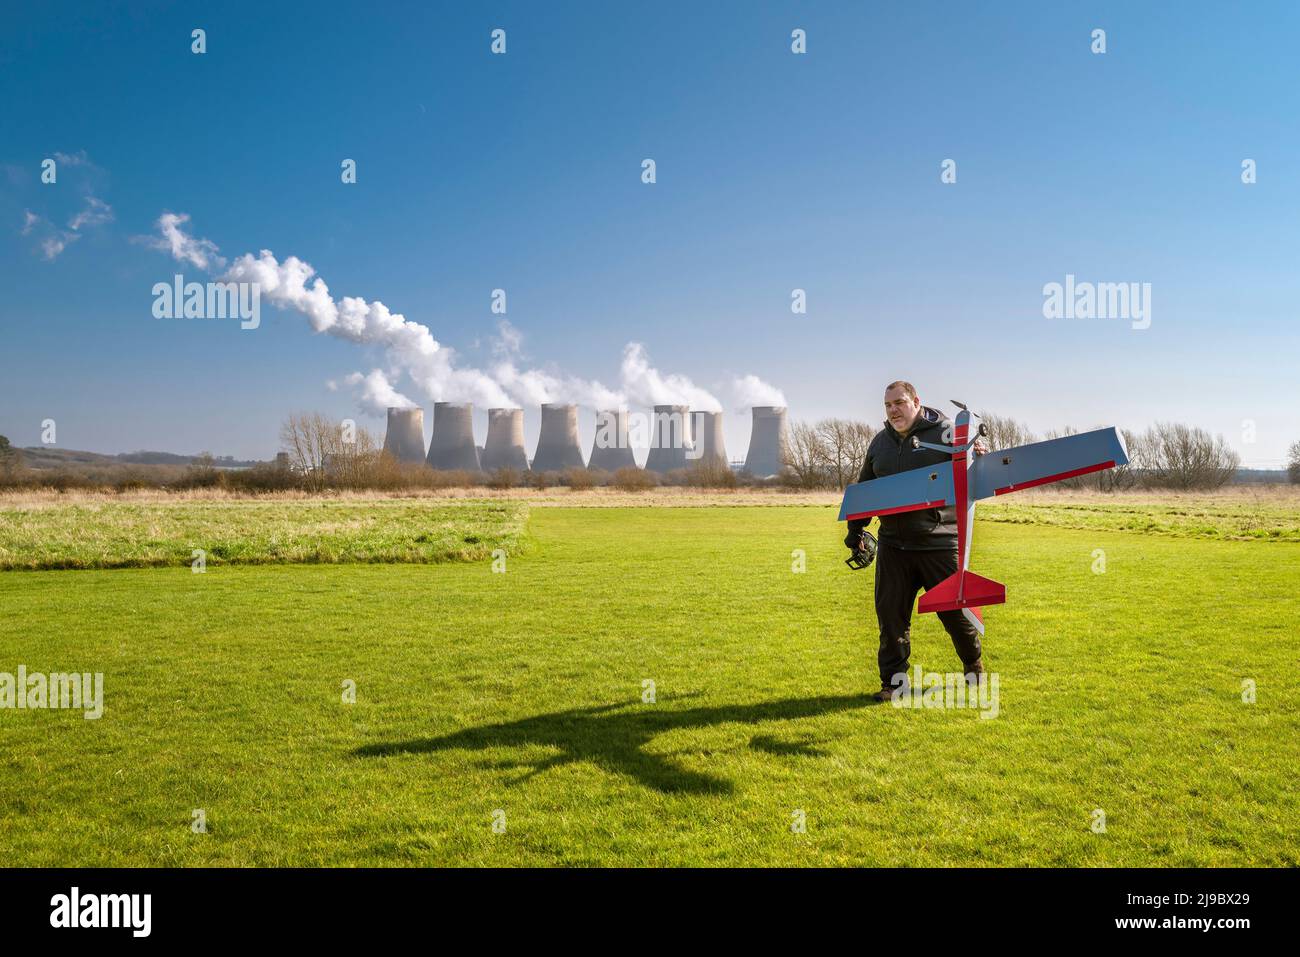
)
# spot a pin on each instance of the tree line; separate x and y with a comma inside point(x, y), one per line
point(828, 454)
point(322, 453)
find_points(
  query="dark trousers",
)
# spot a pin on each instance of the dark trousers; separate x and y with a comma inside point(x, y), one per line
point(900, 574)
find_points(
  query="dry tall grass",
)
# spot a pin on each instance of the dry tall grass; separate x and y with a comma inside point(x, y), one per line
point(1270, 497)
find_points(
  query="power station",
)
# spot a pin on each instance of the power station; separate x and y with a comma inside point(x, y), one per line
point(669, 439)
point(610, 450)
point(679, 438)
point(710, 449)
point(767, 442)
point(504, 448)
point(452, 447)
point(404, 440)
point(557, 442)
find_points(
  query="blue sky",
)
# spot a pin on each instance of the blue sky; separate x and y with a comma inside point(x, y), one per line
point(775, 171)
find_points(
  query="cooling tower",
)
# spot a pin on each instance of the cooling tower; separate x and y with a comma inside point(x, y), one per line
point(452, 446)
point(557, 443)
point(669, 439)
point(609, 449)
point(767, 441)
point(404, 439)
point(706, 432)
point(504, 448)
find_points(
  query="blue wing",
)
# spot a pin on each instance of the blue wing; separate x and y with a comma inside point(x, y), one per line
point(902, 492)
point(1025, 466)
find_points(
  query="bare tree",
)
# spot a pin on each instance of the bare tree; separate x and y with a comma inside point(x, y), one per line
point(328, 452)
point(1144, 455)
point(1078, 482)
point(1178, 456)
point(10, 459)
point(1005, 432)
point(354, 461)
point(202, 471)
point(1293, 463)
point(1107, 480)
point(1059, 433)
point(1121, 477)
point(710, 474)
point(634, 480)
point(305, 436)
point(843, 446)
point(806, 459)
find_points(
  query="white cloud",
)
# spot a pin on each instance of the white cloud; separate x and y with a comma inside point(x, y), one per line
point(750, 390)
point(532, 387)
point(78, 158)
point(508, 341)
point(285, 285)
point(411, 350)
point(52, 246)
point(292, 283)
point(646, 385)
point(201, 253)
point(96, 213)
point(374, 393)
point(53, 241)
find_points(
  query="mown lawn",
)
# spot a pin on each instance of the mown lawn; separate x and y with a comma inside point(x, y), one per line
point(522, 693)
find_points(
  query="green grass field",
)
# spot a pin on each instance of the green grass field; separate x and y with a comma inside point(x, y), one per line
point(521, 692)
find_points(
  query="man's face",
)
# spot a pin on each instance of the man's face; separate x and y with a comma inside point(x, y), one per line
point(901, 409)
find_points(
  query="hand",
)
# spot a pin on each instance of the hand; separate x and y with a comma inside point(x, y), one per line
point(980, 447)
point(864, 551)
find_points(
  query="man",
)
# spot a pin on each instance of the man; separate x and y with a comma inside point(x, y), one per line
point(916, 549)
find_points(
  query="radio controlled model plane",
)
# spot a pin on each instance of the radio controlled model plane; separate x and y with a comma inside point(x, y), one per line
point(971, 478)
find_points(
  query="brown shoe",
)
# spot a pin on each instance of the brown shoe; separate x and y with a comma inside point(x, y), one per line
point(887, 694)
point(974, 673)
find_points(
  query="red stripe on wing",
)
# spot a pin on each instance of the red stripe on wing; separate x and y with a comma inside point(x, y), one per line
point(1055, 478)
point(938, 503)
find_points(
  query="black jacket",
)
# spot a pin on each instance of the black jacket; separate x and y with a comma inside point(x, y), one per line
point(925, 529)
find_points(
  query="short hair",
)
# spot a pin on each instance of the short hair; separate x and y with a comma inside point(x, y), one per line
point(905, 386)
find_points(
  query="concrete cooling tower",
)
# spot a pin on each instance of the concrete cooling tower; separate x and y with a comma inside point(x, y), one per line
point(609, 449)
point(706, 430)
point(504, 448)
point(404, 439)
point(767, 441)
point(452, 446)
point(557, 443)
point(669, 439)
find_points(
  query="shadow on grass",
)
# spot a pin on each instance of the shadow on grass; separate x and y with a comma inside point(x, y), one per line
point(613, 737)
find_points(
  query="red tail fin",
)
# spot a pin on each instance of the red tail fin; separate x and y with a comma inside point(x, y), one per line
point(962, 590)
